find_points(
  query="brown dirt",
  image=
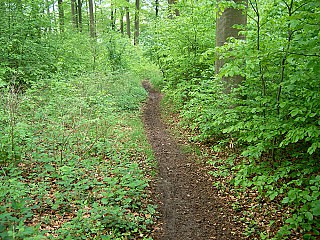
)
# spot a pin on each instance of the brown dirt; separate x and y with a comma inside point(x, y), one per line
point(190, 207)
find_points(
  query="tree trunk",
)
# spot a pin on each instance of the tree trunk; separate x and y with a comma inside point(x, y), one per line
point(128, 21)
point(121, 20)
point(224, 29)
point(112, 17)
point(157, 8)
point(61, 16)
point(80, 15)
point(91, 18)
point(73, 13)
point(136, 23)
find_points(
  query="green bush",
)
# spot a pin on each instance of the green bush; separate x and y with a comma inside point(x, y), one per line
point(272, 118)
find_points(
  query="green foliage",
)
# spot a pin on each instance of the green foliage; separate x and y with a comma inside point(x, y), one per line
point(272, 117)
point(15, 208)
point(293, 186)
point(177, 45)
point(280, 108)
point(83, 160)
point(25, 54)
point(74, 160)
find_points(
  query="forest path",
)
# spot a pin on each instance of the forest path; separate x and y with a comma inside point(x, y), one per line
point(190, 207)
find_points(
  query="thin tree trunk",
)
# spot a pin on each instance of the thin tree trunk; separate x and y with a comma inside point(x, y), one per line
point(157, 8)
point(61, 16)
point(54, 16)
point(91, 18)
point(76, 15)
point(128, 21)
point(255, 7)
point(88, 15)
point(95, 17)
point(73, 13)
point(137, 23)
point(80, 15)
point(121, 21)
point(112, 16)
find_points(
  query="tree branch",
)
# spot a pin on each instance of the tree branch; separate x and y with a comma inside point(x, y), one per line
point(305, 55)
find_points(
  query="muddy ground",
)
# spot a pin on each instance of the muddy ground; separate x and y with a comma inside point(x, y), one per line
point(190, 207)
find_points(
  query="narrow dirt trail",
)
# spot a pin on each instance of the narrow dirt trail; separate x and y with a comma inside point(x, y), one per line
point(190, 207)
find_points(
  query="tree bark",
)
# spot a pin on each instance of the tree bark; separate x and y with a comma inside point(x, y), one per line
point(137, 23)
point(112, 16)
point(61, 16)
point(80, 15)
point(225, 29)
point(157, 8)
point(121, 20)
point(73, 13)
point(91, 17)
point(128, 21)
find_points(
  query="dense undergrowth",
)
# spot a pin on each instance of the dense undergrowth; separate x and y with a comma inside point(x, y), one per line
point(271, 120)
point(74, 161)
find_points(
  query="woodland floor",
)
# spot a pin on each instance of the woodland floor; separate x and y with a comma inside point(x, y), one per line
point(190, 207)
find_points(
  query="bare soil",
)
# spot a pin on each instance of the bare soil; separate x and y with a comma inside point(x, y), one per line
point(190, 207)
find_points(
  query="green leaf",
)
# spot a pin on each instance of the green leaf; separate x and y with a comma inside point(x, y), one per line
point(285, 200)
point(307, 236)
point(105, 200)
point(273, 195)
point(315, 208)
point(283, 104)
point(313, 147)
point(309, 216)
point(294, 112)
